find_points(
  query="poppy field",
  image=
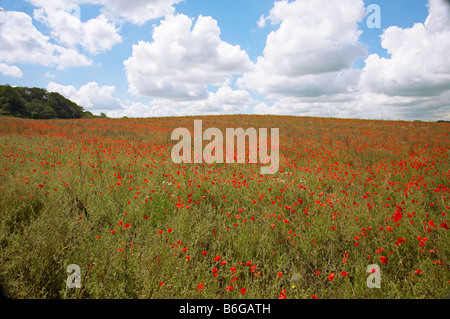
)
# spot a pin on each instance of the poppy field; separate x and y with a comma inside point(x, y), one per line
point(105, 195)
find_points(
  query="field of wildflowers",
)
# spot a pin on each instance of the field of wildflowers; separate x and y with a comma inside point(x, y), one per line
point(105, 195)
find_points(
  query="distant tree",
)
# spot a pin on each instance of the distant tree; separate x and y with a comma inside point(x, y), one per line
point(48, 113)
point(88, 115)
point(65, 108)
point(30, 94)
point(103, 115)
point(37, 103)
point(40, 110)
point(5, 109)
point(12, 103)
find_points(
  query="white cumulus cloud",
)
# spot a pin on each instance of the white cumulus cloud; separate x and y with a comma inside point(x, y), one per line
point(183, 59)
point(91, 96)
point(21, 42)
point(134, 11)
point(419, 63)
point(10, 70)
point(137, 11)
point(312, 51)
point(95, 35)
point(414, 81)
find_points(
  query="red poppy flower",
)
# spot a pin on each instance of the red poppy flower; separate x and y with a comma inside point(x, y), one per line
point(243, 291)
point(384, 260)
point(331, 277)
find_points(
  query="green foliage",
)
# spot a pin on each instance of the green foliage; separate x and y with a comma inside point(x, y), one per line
point(37, 103)
point(88, 115)
point(30, 94)
point(11, 103)
point(37, 109)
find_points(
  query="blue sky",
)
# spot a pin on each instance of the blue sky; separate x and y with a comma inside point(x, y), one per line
point(172, 57)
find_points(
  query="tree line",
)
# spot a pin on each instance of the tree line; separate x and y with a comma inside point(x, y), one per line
point(37, 103)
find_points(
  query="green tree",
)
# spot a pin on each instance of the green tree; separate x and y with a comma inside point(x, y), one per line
point(65, 108)
point(30, 94)
point(12, 103)
point(5, 108)
point(40, 110)
point(88, 115)
point(39, 104)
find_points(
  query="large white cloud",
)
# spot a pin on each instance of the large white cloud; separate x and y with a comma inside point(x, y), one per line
point(183, 59)
point(21, 42)
point(414, 81)
point(63, 17)
point(134, 11)
point(312, 51)
point(138, 11)
point(91, 96)
point(95, 35)
point(419, 63)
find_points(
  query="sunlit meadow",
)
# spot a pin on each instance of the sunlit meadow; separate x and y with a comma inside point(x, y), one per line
point(104, 194)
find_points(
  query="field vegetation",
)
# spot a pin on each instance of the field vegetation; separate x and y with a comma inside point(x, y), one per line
point(105, 195)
